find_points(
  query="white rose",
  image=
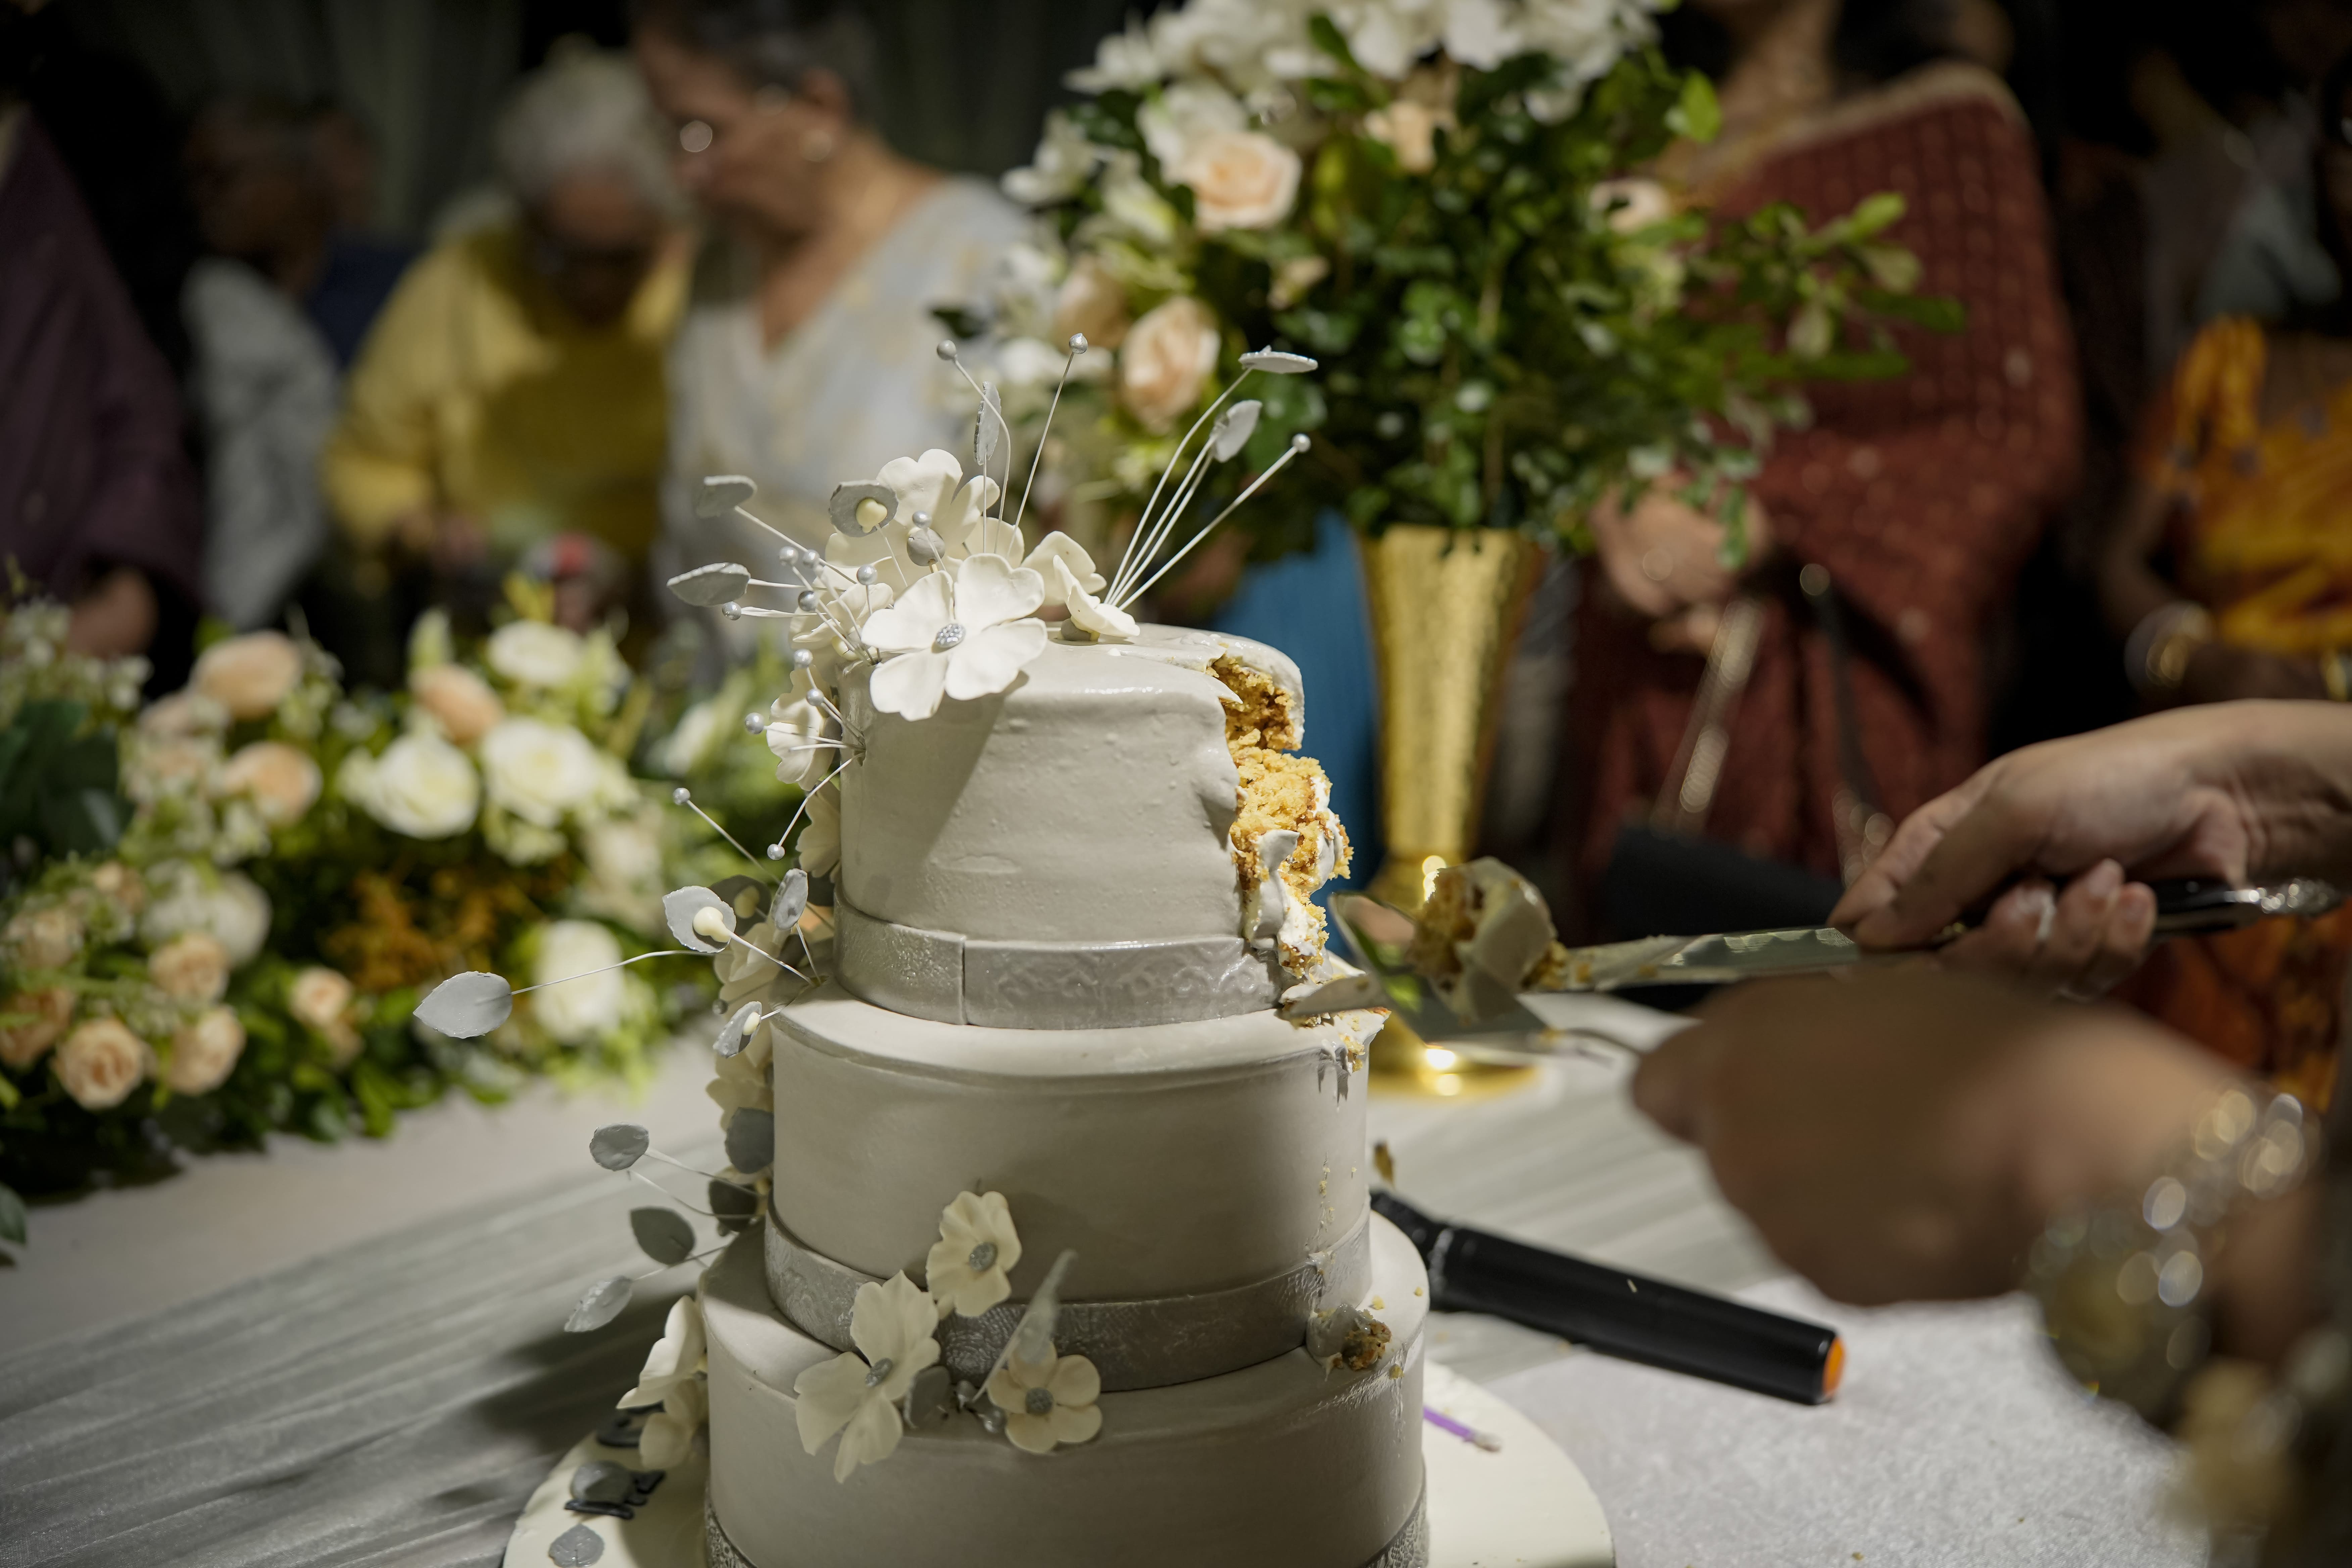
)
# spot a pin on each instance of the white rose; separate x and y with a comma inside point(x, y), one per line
point(1637, 204)
point(698, 729)
point(101, 1062)
point(205, 1052)
point(228, 906)
point(584, 1003)
point(422, 786)
point(624, 872)
point(540, 771)
point(1240, 179)
point(1092, 302)
point(1166, 360)
point(322, 998)
point(283, 781)
point(1188, 113)
point(533, 652)
point(250, 675)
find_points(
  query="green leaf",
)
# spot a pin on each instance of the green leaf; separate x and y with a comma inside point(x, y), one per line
point(1326, 36)
point(11, 1215)
point(1696, 112)
point(1875, 214)
point(1890, 267)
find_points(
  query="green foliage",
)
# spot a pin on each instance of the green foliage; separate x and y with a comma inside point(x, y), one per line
point(58, 781)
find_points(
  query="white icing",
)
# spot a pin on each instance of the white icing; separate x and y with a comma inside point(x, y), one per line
point(1088, 802)
point(1174, 1158)
point(1282, 1465)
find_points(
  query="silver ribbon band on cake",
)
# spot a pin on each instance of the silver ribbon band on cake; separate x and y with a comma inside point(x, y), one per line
point(958, 979)
point(1133, 1344)
point(1409, 1548)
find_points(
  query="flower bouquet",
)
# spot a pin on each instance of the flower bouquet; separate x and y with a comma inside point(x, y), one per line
point(1439, 200)
point(295, 865)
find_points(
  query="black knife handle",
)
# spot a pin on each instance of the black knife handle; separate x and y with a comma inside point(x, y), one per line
point(1621, 1314)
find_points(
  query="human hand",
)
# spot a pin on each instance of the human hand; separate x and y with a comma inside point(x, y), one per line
point(1664, 556)
point(1904, 1134)
point(117, 616)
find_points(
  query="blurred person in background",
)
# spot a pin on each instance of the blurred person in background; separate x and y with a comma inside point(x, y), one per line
point(1919, 496)
point(2228, 575)
point(513, 390)
point(807, 357)
point(97, 504)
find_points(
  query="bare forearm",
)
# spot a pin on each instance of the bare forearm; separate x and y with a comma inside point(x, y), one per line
point(2290, 767)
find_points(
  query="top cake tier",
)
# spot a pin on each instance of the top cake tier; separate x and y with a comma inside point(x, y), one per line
point(1083, 849)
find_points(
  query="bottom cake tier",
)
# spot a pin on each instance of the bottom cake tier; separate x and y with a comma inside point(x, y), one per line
point(1280, 1464)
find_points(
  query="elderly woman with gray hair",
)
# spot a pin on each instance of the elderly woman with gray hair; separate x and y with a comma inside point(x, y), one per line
point(510, 401)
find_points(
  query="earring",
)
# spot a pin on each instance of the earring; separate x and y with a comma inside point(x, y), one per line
point(817, 146)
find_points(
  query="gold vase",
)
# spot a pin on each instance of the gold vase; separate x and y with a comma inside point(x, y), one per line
point(1445, 611)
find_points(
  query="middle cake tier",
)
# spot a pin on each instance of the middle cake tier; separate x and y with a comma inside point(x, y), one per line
point(1209, 1176)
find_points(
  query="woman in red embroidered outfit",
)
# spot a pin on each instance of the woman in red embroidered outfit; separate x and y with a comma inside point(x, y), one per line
point(1920, 496)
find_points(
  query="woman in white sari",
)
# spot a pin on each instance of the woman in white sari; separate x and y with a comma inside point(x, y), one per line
point(807, 357)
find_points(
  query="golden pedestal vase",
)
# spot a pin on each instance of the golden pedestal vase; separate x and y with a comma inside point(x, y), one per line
point(1446, 608)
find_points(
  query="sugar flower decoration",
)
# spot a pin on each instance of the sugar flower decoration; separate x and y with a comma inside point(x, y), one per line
point(820, 841)
point(934, 486)
point(673, 1379)
point(1059, 546)
point(964, 636)
point(795, 733)
point(1102, 623)
point(977, 1248)
point(857, 1393)
point(1048, 1402)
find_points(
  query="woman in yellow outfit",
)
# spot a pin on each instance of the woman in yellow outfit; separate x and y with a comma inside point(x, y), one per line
point(511, 394)
point(2245, 502)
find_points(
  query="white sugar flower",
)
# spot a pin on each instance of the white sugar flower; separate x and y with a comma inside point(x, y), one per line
point(673, 1378)
point(1048, 1402)
point(420, 787)
point(933, 485)
point(977, 1248)
point(1058, 545)
point(746, 969)
point(796, 727)
point(533, 652)
point(857, 1395)
point(825, 632)
point(964, 639)
point(741, 1081)
point(1104, 623)
point(820, 841)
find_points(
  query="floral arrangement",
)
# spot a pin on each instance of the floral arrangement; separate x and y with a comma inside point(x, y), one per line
point(1438, 199)
point(292, 865)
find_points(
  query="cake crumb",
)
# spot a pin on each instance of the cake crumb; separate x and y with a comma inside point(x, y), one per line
point(1396, 1369)
point(1362, 1349)
point(1379, 1305)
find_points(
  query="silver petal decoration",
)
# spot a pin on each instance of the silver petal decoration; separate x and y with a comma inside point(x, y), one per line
point(930, 1398)
point(662, 1234)
point(924, 547)
point(601, 1305)
point(849, 498)
point(722, 493)
point(738, 1029)
point(576, 1548)
point(791, 901)
point(717, 583)
point(619, 1146)
point(600, 1480)
point(751, 1141)
point(467, 1006)
point(988, 422)
point(1235, 427)
point(679, 908)
point(1033, 1338)
point(1278, 362)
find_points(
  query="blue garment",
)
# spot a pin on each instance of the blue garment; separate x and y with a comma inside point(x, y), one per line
point(352, 286)
point(1311, 606)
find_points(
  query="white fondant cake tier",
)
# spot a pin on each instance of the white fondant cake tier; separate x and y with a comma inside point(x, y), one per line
point(1175, 1159)
point(1282, 1465)
point(1089, 802)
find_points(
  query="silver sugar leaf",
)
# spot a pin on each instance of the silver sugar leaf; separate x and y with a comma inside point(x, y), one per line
point(1033, 1337)
point(713, 584)
point(736, 1030)
point(602, 1480)
point(601, 1305)
point(751, 1141)
point(849, 498)
point(576, 1548)
point(791, 901)
point(722, 493)
point(467, 1006)
point(662, 1234)
point(1278, 362)
point(1234, 428)
point(990, 421)
point(679, 908)
point(619, 1146)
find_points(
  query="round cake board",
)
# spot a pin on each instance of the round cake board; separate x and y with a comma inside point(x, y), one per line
point(1521, 1501)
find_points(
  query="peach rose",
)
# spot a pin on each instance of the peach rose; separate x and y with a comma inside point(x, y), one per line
point(192, 967)
point(44, 938)
point(1240, 179)
point(51, 1007)
point(181, 715)
point(1167, 359)
point(321, 999)
point(101, 1062)
point(205, 1052)
point(249, 675)
point(460, 700)
point(1092, 302)
point(121, 885)
point(283, 781)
